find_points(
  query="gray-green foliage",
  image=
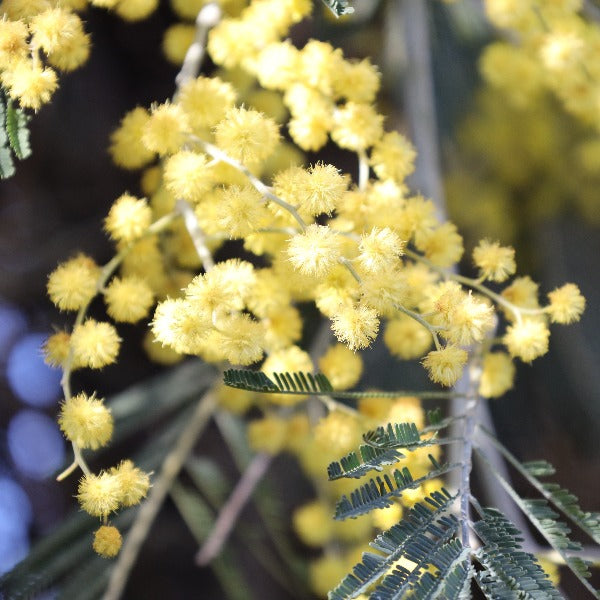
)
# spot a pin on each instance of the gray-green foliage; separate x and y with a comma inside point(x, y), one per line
point(14, 136)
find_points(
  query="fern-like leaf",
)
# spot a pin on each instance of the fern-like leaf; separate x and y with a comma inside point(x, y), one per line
point(396, 435)
point(17, 131)
point(370, 459)
point(7, 166)
point(508, 571)
point(378, 493)
point(429, 518)
point(338, 7)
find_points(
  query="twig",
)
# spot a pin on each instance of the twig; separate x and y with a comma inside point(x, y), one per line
point(196, 234)
point(232, 508)
point(171, 466)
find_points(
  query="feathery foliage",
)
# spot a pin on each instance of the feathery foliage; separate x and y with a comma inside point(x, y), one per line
point(14, 136)
point(338, 7)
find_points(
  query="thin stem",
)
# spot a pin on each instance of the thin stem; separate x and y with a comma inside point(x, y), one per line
point(171, 466)
point(363, 170)
point(232, 508)
point(67, 471)
point(196, 234)
point(346, 263)
point(258, 185)
point(417, 317)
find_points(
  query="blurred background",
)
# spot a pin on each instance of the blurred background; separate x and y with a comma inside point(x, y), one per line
point(513, 175)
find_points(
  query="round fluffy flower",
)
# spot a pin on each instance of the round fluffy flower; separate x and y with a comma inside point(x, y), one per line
point(135, 10)
point(495, 262)
point(242, 339)
point(13, 42)
point(86, 421)
point(176, 41)
point(291, 360)
point(356, 126)
point(445, 366)
point(341, 366)
point(128, 218)
point(128, 299)
point(522, 292)
point(498, 375)
point(356, 326)
point(313, 523)
point(442, 246)
point(326, 572)
point(95, 344)
point(133, 483)
point(126, 147)
point(322, 190)
point(316, 251)
point(107, 541)
point(356, 81)
point(240, 210)
point(468, 320)
point(73, 283)
point(247, 135)
point(30, 83)
point(406, 338)
point(72, 53)
point(165, 132)
point(267, 434)
point(206, 100)
point(99, 495)
point(310, 131)
point(56, 349)
point(527, 340)
point(52, 29)
point(379, 249)
point(187, 175)
point(566, 304)
point(393, 157)
point(23, 9)
point(277, 65)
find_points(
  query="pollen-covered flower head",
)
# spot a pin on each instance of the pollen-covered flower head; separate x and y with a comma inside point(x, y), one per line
point(528, 339)
point(241, 210)
point(95, 344)
point(393, 157)
point(53, 29)
point(379, 250)
point(128, 299)
point(469, 320)
point(206, 100)
point(134, 483)
point(30, 83)
point(356, 326)
point(126, 147)
point(13, 42)
point(135, 10)
point(99, 495)
point(73, 283)
point(313, 523)
point(128, 218)
point(107, 541)
point(277, 65)
point(566, 304)
point(443, 246)
point(247, 135)
point(316, 251)
point(406, 338)
point(341, 366)
point(445, 366)
point(187, 175)
point(495, 262)
point(497, 376)
point(267, 434)
point(241, 339)
point(166, 130)
point(86, 421)
point(356, 126)
point(356, 81)
point(56, 349)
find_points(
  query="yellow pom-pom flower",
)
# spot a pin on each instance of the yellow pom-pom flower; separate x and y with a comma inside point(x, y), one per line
point(135, 10)
point(497, 376)
point(406, 338)
point(522, 292)
point(566, 304)
point(379, 250)
point(73, 53)
point(527, 340)
point(133, 483)
point(128, 299)
point(52, 29)
point(495, 262)
point(443, 246)
point(393, 157)
point(128, 218)
point(56, 349)
point(242, 339)
point(445, 366)
point(176, 41)
point(341, 366)
point(356, 127)
point(99, 495)
point(247, 135)
point(187, 175)
point(166, 130)
point(356, 81)
point(206, 100)
point(95, 344)
point(313, 523)
point(468, 320)
point(321, 190)
point(13, 42)
point(241, 211)
point(267, 434)
point(30, 83)
point(73, 284)
point(325, 573)
point(316, 251)
point(356, 326)
point(126, 147)
point(107, 541)
point(86, 421)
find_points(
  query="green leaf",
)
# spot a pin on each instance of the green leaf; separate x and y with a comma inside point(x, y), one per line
point(17, 130)
point(396, 435)
point(7, 165)
point(338, 7)
point(370, 459)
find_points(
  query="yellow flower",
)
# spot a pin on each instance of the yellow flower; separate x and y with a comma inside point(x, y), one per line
point(30, 83)
point(95, 344)
point(52, 29)
point(495, 262)
point(406, 338)
point(442, 246)
point(384, 518)
point(176, 41)
point(313, 523)
point(379, 249)
point(341, 366)
point(357, 326)
point(187, 175)
point(73, 283)
point(356, 126)
point(527, 340)
point(13, 42)
point(277, 65)
point(267, 434)
point(86, 421)
point(356, 81)
point(566, 304)
point(321, 190)
point(133, 483)
point(497, 376)
point(325, 573)
point(393, 157)
point(283, 326)
point(241, 211)
point(166, 130)
point(445, 366)
point(247, 135)
point(242, 339)
point(56, 349)
point(126, 147)
point(316, 251)
point(128, 299)
point(135, 10)
point(128, 218)
point(107, 541)
point(206, 100)
point(99, 495)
